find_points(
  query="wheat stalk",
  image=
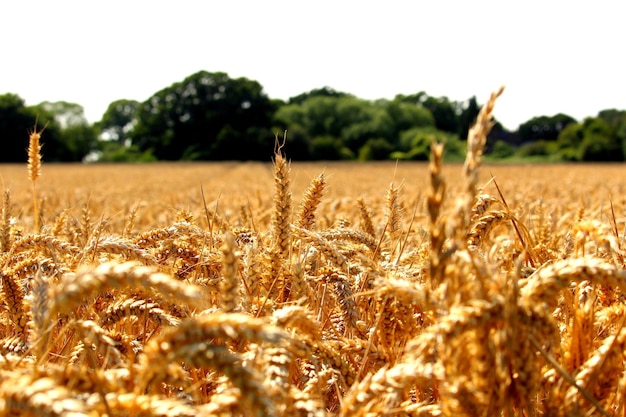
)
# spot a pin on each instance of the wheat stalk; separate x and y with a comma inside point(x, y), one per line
point(74, 289)
point(310, 202)
point(34, 167)
point(229, 285)
point(5, 226)
point(281, 222)
point(26, 395)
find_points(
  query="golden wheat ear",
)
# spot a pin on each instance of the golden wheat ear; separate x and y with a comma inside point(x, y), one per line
point(34, 166)
point(5, 223)
point(281, 220)
point(310, 202)
point(34, 154)
point(434, 203)
point(476, 140)
point(229, 285)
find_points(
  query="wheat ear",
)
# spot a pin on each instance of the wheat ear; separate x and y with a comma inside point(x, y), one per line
point(481, 228)
point(482, 203)
point(14, 298)
point(366, 218)
point(476, 140)
point(434, 203)
point(74, 289)
point(544, 285)
point(138, 308)
point(605, 364)
point(351, 235)
point(281, 219)
point(34, 168)
point(95, 336)
point(324, 246)
point(312, 199)
point(177, 230)
point(394, 215)
point(52, 244)
point(229, 285)
point(44, 397)
point(152, 405)
point(120, 246)
point(197, 342)
point(345, 298)
point(5, 227)
point(40, 314)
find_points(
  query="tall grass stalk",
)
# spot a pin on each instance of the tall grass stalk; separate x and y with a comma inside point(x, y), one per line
point(34, 168)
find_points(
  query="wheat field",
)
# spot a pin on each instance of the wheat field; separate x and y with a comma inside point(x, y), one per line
point(313, 289)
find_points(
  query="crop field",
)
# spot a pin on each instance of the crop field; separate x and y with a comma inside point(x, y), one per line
point(313, 289)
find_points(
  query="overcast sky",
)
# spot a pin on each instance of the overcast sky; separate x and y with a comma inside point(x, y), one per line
point(552, 56)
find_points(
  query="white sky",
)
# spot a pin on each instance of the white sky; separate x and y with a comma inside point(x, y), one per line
point(552, 55)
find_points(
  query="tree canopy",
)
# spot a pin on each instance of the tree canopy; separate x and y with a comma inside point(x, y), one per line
point(67, 135)
point(77, 137)
point(206, 116)
point(347, 124)
point(211, 116)
point(118, 120)
point(544, 127)
point(15, 121)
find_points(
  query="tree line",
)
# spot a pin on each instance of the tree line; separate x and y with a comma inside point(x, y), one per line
point(211, 116)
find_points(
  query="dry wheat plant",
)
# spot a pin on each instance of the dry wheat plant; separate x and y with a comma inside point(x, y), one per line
point(464, 298)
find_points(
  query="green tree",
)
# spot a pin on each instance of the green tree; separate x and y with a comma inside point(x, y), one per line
point(445, 113)
point(118, 121)
point(77, 137)
point(291, 118)
point(468, 117)
point(361, 120)
point(600, 143)
point(617, 120)
point(501, 150)
point(592, 140)
point(415, 144)
point(328, 148)
point(290, 115)
point(547, 150)
point(375, 149)
point(544, 127)
point(407, 115)
point(317, 92)
point(112, 151)
point(16, 120)
point(320, 116)
point(569, 142)
point(350, 120)
point(206, 116)
point(297, 143)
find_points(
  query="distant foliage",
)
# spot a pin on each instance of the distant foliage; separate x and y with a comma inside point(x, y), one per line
point(206, 116)
point(211, 116)
point(119, 120)
point(376, 149)
point(67, 135)
point(544, 127)
point(415, 144)
point(595, 139)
